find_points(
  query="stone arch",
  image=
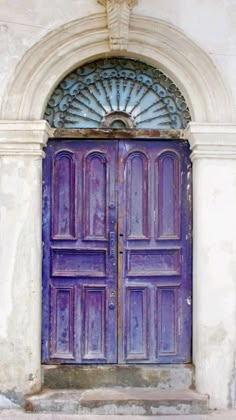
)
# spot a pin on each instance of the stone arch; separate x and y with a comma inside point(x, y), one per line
point(150, 40)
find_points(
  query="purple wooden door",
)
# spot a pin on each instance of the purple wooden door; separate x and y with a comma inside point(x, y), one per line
point(80, 281)
point(154, 252)
point(117, 252)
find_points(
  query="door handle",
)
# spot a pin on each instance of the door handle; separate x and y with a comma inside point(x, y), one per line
point(112, 244)
point(112, 300)
point(112, 233)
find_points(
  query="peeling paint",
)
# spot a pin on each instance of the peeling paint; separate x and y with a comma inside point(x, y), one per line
point(118, 133)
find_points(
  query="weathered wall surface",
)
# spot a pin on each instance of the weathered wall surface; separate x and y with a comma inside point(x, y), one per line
point(210, 24)
point(20, 256)
point(20, 280)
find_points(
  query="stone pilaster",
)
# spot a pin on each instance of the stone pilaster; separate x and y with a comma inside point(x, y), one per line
point(214, 259)
point(21, 152)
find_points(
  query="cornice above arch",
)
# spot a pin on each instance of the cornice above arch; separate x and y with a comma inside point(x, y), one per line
point(150, 40)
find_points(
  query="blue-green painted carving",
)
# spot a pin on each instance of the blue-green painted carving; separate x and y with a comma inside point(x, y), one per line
point(117, 93)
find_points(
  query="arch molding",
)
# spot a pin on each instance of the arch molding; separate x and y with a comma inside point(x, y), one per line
point(151, 40)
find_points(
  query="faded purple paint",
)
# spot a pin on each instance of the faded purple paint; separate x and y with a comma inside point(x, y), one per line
point(117, 252)
point(79, 187)
point(63, 226)
point(155, 258)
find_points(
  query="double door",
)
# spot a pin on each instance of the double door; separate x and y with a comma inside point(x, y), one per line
point(117, 252)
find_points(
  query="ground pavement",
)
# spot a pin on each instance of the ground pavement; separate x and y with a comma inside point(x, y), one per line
point(20, 415)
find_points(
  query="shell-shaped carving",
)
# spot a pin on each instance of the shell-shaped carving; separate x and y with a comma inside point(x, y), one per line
point(106, 88)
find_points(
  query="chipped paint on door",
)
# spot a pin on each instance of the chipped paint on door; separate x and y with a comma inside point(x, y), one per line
point(117, 252)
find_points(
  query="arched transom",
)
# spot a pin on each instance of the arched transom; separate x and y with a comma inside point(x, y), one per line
point(117, 93)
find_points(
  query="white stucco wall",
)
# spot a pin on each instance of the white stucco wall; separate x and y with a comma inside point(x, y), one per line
point(20, 256)
point(211, 25)
point(20, 278)
point(214, 263)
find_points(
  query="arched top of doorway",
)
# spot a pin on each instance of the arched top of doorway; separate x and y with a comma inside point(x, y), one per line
point(117, 93)
point(150, 40)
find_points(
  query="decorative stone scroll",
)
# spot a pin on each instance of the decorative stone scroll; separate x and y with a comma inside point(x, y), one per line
point(118, 17)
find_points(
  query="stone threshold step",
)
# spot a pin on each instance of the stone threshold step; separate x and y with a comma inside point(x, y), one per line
point(121, 401)
point(97, 376)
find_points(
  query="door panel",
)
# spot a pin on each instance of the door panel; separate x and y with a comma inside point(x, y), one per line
point(63, 192)
point(137, 330)
point(117, 252)
point(154, 252)
point(136, 196)
point(80, 315)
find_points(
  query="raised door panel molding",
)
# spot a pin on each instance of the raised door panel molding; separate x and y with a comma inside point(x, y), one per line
point(118, 19)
